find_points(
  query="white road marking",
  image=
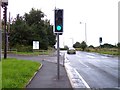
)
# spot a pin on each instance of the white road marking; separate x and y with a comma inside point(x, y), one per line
point(89, 56)
point(104, 57)
point(85, 83)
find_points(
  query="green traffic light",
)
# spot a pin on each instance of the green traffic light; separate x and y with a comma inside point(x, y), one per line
point(59, 28)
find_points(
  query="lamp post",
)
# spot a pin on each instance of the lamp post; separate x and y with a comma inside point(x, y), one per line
point(85, 31)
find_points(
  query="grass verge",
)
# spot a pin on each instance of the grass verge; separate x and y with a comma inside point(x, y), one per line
point(110, 51)
point(17, 73)
point(0, 75)
point(40, 52)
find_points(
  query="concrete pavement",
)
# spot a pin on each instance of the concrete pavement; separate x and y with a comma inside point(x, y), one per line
point(47, 77)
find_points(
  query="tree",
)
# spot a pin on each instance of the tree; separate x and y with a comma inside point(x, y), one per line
point(50, 34)
point(83, 45)
point(31, 27)
point(19, 34)
point(106, 45)
point(118, 45)
point(76, 45)
point(91, 46)
point(66, 47)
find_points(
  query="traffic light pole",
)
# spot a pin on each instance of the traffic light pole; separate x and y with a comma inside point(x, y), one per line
point(58, 30)
point(58, 59)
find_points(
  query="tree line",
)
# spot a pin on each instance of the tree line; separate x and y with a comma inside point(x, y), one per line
point(31, 27)
point(83, 45)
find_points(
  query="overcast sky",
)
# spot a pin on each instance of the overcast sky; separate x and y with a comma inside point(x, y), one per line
point(100, 16)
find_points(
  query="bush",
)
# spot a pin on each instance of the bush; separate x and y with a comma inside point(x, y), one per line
point(78, 49)
point(22, 48)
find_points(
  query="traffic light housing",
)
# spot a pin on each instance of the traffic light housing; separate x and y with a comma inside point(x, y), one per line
point(100, 40)
point(59, 21)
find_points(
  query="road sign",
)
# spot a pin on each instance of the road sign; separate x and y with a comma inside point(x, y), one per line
point(35, 44)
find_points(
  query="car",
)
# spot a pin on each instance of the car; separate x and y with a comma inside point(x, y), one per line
point(71, 51)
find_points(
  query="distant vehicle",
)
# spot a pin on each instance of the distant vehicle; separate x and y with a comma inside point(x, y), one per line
point(71, 51)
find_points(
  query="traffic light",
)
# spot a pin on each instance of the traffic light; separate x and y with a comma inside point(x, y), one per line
point(59, 21)
point(100, 40)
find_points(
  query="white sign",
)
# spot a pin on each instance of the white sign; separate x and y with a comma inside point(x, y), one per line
point(35, 44)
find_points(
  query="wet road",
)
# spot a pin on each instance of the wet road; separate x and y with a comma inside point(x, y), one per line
point(99, 71)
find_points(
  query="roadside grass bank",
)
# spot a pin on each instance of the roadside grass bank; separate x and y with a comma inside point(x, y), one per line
point(35, 53)
point(0, 75)
point(16, 73)
point(109, 51)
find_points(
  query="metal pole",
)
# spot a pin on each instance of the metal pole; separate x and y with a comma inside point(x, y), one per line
point(58, 49)
point(8, 33)
point(5, 22)
point(63, 59)
point(0, 34)
point(85, 34)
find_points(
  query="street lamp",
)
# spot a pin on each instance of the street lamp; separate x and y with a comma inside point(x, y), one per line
point(85, 31)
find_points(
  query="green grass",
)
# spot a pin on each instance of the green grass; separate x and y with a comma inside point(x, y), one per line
point(0, 75)
point(110, 51)
point(16, 73)
point(40, 52)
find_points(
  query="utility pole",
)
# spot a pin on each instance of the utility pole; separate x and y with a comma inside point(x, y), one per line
point(8, 32)
point(0, 34)
point(4, 5)
point(5, 32)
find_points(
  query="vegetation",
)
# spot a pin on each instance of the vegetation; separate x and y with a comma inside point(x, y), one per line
point(17, 73)
point(39, 52)
point(65, 48)
point(103, 49)
point(76, 45)
point(82, 45)
point(110, 51)
point(0, 75)
point(28, 28)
